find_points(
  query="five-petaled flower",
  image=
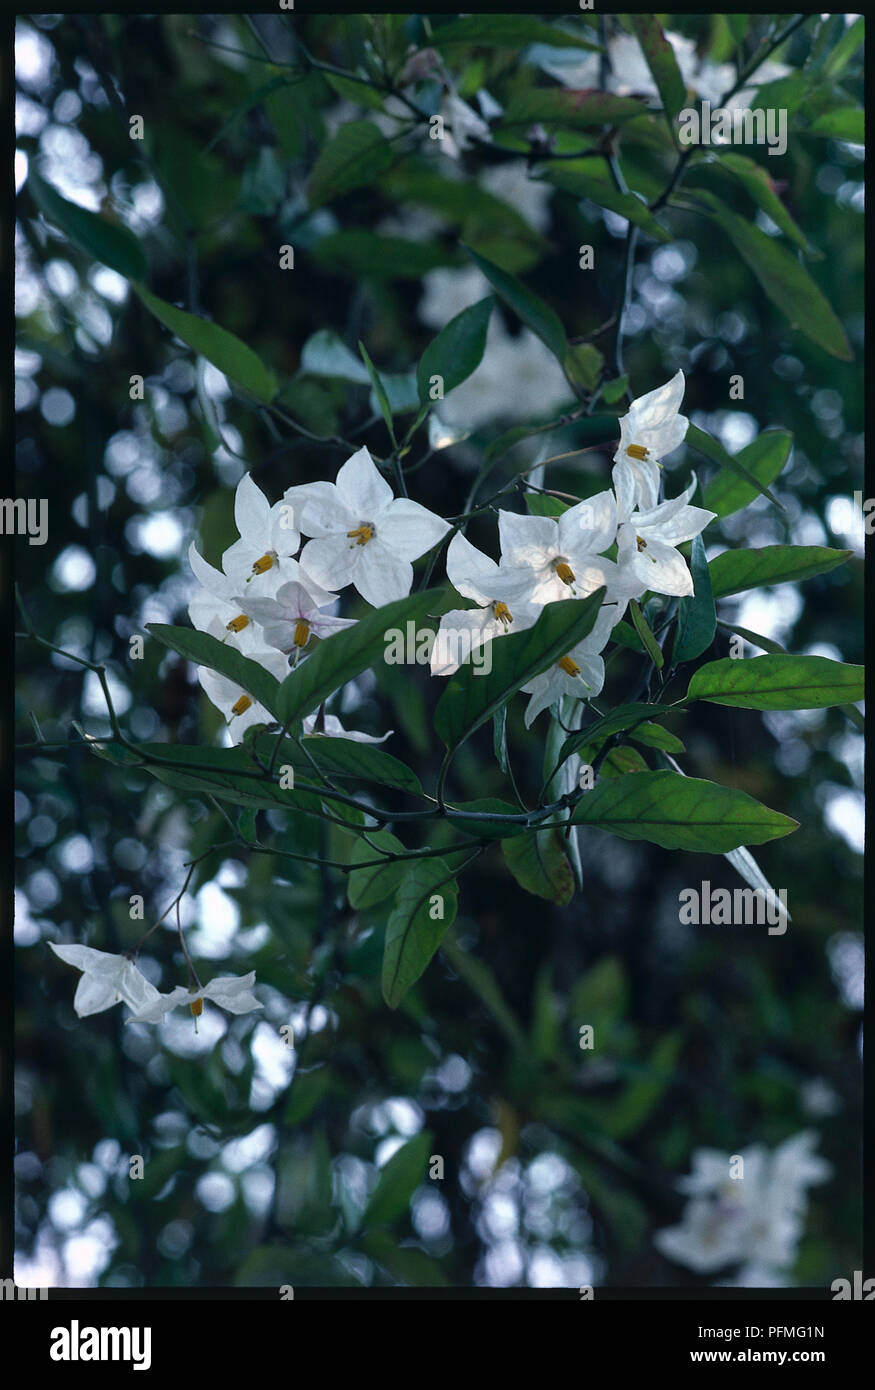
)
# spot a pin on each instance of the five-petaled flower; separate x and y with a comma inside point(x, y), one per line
point(362, 534)
point(650, 429)
point(646, 546)
point(544, 559)
point(292, 617)
point(463, 629)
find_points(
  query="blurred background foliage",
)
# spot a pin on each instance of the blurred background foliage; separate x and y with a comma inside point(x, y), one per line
point(267, 1163)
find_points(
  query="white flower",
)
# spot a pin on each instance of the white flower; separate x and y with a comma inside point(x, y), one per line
point(462, 630)
point(330, 726)
point(649, 430)
point(580, 673)
point(461, 125)
point(269, 536)
point(755, 1217)
point(545, 559)
point(107, 979)
point(218, 596)
point(236, 704)
point(290, 619)
point(363, 534)
point(231, 992)
point(647, 541)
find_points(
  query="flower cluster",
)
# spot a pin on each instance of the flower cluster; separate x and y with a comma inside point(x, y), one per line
point(272, 602)
point(745, 1209)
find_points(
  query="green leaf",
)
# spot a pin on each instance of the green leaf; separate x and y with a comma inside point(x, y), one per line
point(583, 184)
point(649, 642)
point(765, 644)
point(356, 155)
point(539, 864)
point(205, 650)
point(360, 93)
point(583, 365)
point(405, 1171)
point(711, 448)
point(379, 392)
point(621, 761)
point(579, 110)
point(232, 357)
point(355, 252)
point(847, 123)
point(680, 812)
point(777, 682)
point(697, 618)
point(412, 933)
point(367, 887)
point(535, 314)
point(539, 505)
point(736, 570)
point(653, 736)
point(764, 459)
point(614, 391)
point(506, 31)
point(499, 738)
point(361, 762)
point(107, 242)
point(457, 351)
point(346, 654)
point(620, 719)
point(784, 279)
point(663, 66)
point(759, 184)
point(470, 698)
point(845, 49)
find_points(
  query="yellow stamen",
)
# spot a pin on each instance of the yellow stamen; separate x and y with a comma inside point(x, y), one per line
point(242, 705)
point(641, 543)
point(237, 624)
point(638, 451)
point(570, 667)
point(302, 633)
point(362, 534)
point(502, 613)
point(564, 571)
point(266, 562)
point(197, 1007)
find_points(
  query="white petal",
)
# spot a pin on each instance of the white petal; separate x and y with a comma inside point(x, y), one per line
point(363, 487)
point(106, 964)
point(656, 407)
point(591, 523)
point(526, 540)
point(330, 560)
point(683, 526)
point(380, 576)
point(661, 568)
point(320, 510)
point(465, 563)
point(459, 632)
point(251, 511)
point(155, 1011)
point(409, 530)
point(94, 994)
point(213, 580)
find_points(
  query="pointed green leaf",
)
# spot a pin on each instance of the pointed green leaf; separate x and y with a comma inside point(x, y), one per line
point(784, 279)
point(764, 459)
point(697, 618)
point(680, 812)
point(405, 1171)
point(232, 357)
point(425, 906)
point(777, 682)
point(539, 864)
point(356, 155)
point(584, 184)
point(711, 448)
point(736, 570)
point(663, 66)
point(535, 314)
point(457, 351)
point(107, 242)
